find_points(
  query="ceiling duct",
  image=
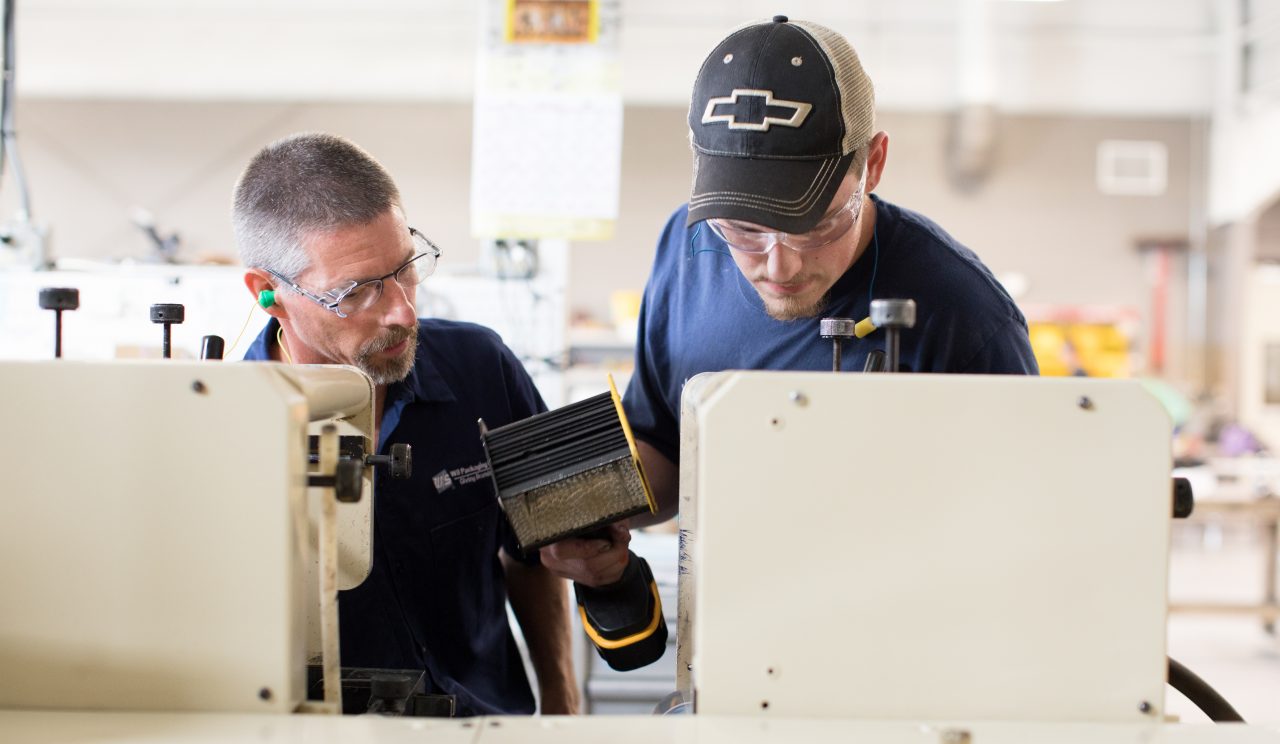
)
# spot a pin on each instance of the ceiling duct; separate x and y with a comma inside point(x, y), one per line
point(973, 123)
point(971, 145)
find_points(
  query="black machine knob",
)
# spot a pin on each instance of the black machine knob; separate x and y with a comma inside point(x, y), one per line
point(58, 299)
point(1184, 501)
point(348, 481)
point(391, 686)
point(399, 460)
point(168, 315)
point(211, 347)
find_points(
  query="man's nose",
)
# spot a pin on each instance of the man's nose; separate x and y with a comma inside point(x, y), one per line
point(399, 304)
point(784, 262)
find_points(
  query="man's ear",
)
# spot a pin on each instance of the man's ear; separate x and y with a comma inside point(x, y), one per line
point(877, 154)
point(262, 287)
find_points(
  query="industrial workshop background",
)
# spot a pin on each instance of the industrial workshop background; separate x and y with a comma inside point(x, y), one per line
point(1115, 162)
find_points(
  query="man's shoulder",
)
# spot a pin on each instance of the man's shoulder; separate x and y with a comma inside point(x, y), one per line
point(674, 233)
point(943, 263)
point(459, 349)
point(258, 350)
point(909, 226)
point(459, 332)
point(686, 253)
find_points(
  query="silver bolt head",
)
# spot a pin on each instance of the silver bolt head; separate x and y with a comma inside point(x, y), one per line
point(837, 327)
point(893, 313)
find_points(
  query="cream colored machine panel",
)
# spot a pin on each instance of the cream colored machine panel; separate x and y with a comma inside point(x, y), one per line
point(929, 547)
point(334, 396)
point(32, 727)
point(153, 532)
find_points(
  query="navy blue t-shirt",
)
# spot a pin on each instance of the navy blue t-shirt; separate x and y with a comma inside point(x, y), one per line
point(435, 598)
point(700, 314)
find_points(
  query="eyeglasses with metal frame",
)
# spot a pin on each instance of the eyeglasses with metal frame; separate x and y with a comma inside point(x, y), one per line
point(352, 297)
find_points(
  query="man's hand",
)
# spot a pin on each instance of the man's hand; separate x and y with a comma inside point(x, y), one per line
point(591, 561)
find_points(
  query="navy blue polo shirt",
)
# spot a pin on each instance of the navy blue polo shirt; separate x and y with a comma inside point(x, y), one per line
point(700, 314)
point(435, 598)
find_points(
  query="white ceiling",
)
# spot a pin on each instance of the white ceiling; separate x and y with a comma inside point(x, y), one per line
point(1131, 57)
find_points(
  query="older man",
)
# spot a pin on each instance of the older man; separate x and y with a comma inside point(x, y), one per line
point(330, 256)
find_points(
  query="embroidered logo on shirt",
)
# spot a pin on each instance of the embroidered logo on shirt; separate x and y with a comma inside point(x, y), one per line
point(442, 481)
point(464, 476)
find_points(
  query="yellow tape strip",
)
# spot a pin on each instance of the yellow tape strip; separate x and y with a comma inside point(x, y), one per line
point(631, 441)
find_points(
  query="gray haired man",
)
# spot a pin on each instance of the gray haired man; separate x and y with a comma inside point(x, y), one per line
point(330, 257)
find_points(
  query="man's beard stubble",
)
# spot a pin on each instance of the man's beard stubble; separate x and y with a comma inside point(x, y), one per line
point(387, 371)
point(790, 309)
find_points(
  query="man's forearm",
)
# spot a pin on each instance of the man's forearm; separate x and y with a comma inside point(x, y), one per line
point(541, 604)
point(664, 481)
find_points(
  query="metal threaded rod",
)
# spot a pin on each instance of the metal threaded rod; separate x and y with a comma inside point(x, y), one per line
point(167, 315)
point(894, 316)
point(58, 299)
point(891, 349)
point(837, 329)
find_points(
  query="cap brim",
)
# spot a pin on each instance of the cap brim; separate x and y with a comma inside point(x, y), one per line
point(786, 195)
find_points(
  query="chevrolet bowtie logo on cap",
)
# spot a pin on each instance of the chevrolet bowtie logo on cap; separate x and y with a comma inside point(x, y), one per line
point(777, 113)
point(799, 110)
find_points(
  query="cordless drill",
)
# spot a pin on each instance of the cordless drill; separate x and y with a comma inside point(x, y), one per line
point(570, 473)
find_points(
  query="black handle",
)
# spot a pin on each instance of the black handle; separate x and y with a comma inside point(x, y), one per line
point(399, 460)
point(58, 299)
point(211, 347)
point(1184, 501)
point(624, 619)
point(168, 314)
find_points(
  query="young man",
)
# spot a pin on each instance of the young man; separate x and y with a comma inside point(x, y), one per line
point(780, 231)
point(329, 255)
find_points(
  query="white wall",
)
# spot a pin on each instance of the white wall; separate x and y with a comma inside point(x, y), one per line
point(1262, 330)
point(1085, 56)
point(1245, 152)
point(90, 162)
point(1039, 212)
point(1244, 183)
point(1246, 163)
